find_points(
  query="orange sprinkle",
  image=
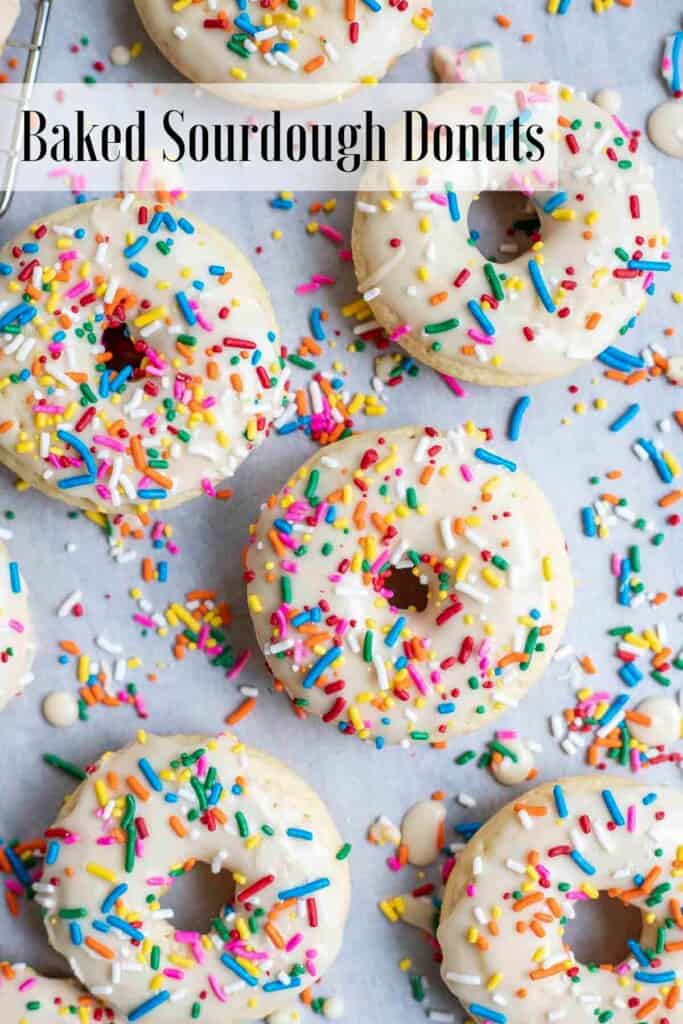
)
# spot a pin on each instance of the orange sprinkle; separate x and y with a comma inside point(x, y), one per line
point(245, 708)
point(100, 948)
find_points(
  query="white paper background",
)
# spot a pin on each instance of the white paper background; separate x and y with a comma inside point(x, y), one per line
point(621, 49)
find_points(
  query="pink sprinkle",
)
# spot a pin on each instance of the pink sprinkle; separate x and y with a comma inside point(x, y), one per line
point(331, 234)
point(239, 664)
point(466, 473)
point(455, 385)
point(631, 818)
point(216, 988)
point(29, 983)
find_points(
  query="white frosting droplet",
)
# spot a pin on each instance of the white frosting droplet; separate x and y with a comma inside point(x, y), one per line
point(510, 772)
point(665, 128)
point(120, 55)
point(420, 831)
point(665, 722)
point(333, 1008)
point(609, 100)
point(60, 709)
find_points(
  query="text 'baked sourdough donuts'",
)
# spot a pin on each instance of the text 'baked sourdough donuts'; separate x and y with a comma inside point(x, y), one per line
point(27, 996)
point(17, 640)
point(591, 265)
point(143, 818)
point(525, 875)
point(323, 48)
point(140, 360)
point(408, 586)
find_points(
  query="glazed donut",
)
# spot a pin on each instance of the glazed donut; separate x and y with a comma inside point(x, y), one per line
point(408, 586)
point(140, 362)
point(26, 996)
point(518, 881)
point(17, 641)
point(146, 815)
point(313, 54)
point(545, 312)
point(8, 19)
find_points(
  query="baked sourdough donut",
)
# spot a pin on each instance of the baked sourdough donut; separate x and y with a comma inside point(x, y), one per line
point(28, 998)
point(307, 53)
point(544, 313)
point(9, 12)
point(409, 585)
point(17, 641)
point(140, 360)
point(145, 816)
point(518, 882)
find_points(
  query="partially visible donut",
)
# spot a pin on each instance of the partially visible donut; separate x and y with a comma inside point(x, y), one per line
point(149, 813)
point(306, 54)
point(17, 639)
point(585, 279)
point(140, 361)
point(408, 585)
point(28, 998)
point(519, 881)
point(9, 12)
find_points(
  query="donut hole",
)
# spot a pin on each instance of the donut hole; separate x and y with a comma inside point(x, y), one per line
point(503, 225)
point(601, 930)
point(123, 351)
point(198, 896)
point(407, 588)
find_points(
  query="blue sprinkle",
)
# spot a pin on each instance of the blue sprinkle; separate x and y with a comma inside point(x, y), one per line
point(559, 199)
point(453, 204)
point(621, 421)
point(495, 460)
point(487, 1013)
point(541, 287)
point(237, 969)
point(278, 986)
point(139, 268)
point(116, 894)
point(316, 324)
point(656, 977)
point(560, 801)
point(125, 927)
point(149, 773)
point(395, 631)
point(515, 425)
point(317, 670)
point(585, 865)
point(75, 933)
point(613, 807)
point(15, 577)
point(300, 891)
point(185, 308)
point(137, 246)
point(150, 1004)
point(481, 318)
point(588, 521)
point(299, 833)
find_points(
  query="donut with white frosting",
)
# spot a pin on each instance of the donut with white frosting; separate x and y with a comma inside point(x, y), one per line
point(140, 361)
point(26, 996)
point(306, 53)
point(523, 877)
point(408, 585)
point(145, 816)
point(9, 12)
point(17, 639)
point(583, 282)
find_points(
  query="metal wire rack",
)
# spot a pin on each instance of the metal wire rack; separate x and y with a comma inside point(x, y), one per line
point(33, 50)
